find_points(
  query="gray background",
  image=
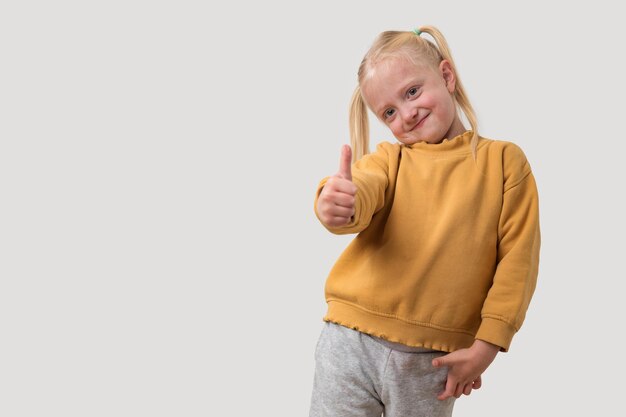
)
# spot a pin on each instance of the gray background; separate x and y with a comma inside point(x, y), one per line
point(159, 254)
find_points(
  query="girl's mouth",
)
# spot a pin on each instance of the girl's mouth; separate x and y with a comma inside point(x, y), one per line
point(421, 122)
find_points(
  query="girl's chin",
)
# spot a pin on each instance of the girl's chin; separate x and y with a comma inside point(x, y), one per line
point(411, 140)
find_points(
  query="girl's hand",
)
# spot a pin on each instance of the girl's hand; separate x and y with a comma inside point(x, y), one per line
point(465, 368)
point(335, 204)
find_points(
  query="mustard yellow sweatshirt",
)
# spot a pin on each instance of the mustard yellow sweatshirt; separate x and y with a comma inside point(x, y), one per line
point(447, 249)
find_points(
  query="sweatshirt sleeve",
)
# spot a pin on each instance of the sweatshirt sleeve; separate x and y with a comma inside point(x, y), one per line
point(370, 174)
point(519, 241)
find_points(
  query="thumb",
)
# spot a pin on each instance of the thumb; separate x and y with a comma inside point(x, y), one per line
point(345, 163)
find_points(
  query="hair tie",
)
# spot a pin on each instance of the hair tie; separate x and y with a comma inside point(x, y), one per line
point(417, 31)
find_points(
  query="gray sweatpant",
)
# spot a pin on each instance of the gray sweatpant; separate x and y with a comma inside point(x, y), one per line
point(359, 375)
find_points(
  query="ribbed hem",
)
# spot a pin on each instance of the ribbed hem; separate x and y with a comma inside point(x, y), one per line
point(497, 332)
point(396, 330)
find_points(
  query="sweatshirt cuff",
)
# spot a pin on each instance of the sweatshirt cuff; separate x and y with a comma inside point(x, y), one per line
point(497, 332)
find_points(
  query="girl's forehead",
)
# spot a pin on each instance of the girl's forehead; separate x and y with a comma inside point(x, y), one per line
point(396, 69)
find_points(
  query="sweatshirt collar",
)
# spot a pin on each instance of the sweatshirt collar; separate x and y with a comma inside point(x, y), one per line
point(454, 144)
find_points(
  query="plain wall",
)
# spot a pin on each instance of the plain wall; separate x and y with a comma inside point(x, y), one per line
point(159, 254)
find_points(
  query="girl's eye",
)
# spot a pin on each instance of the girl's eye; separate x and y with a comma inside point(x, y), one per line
point(412, 91)
point(388, 113)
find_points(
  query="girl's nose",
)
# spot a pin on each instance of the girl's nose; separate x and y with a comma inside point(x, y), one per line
point(408, 114)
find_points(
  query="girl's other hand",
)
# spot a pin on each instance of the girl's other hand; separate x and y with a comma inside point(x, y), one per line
point(465, 367)
point(336, 202)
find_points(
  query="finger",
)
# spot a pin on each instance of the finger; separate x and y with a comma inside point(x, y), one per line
point(448, 391)
point(458, 390)
point(337, 183)
point(468, 389)
point(343, 200)
point(478, 383)
point(338, 221)
point(339, 211)
point(345, 163)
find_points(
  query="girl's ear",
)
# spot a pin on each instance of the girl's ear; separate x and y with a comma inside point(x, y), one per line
point(448, 75)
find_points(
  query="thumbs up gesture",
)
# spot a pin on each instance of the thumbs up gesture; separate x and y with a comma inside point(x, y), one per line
point(335, 205)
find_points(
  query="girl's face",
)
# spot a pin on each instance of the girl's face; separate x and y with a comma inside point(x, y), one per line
point(415, 102)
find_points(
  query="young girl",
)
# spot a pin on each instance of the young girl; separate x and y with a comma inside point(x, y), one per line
point(441, 273)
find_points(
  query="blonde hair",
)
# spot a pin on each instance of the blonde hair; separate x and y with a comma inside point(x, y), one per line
point(418, 51)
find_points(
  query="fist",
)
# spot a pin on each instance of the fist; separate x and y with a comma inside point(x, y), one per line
point(335, 204)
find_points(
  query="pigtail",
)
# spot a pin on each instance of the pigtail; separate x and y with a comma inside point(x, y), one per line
point(459, 92)
point(359, 126)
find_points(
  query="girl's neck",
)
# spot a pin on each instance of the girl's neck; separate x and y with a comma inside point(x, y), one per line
point(456, 129)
